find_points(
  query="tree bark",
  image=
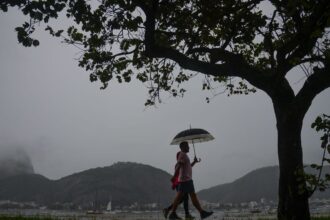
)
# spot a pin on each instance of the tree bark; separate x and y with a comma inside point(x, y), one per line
point(292, 194)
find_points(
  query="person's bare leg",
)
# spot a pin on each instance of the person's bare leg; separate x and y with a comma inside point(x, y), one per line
point(177, 201)
point(195, 201)
point(204, 214)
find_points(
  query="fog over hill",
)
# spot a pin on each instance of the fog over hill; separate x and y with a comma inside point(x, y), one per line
point(14, 161)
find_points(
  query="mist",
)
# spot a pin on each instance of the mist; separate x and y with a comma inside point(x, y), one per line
point(14, 160)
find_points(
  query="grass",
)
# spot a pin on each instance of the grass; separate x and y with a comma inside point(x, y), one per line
point(313, 218)
point(25, 218)
point(31, 218)
point(321, 218)
point(74, 218)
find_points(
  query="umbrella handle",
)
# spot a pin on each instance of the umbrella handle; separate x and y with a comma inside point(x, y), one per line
point(193, 147)
point(198, 159)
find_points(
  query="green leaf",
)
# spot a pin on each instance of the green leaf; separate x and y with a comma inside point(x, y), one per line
point(4, 7)
point(35, 43)
point(92, 77)
point(58, 33)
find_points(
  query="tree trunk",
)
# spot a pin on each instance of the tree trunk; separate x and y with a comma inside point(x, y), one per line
point(293, 196)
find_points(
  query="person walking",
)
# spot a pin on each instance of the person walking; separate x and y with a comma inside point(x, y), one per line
point(184, 171)
point(185, 197)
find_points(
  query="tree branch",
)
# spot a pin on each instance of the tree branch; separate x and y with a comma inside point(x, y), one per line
point(218, 54)
point(150, 23)
point(233, 67)
point(303, 41)
point(268, 44)
point(316, 83)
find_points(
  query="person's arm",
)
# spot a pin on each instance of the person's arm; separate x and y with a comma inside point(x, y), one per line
point(176, 171)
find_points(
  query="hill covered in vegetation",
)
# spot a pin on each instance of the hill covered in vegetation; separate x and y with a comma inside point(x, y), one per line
point(124, 183)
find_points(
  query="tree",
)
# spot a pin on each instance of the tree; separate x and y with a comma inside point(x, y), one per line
point(163, 42)
point(321, 124)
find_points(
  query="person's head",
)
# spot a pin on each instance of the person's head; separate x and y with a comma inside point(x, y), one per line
point(184, 146)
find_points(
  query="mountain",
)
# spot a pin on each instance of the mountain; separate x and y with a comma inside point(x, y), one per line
point(260, 183)
point(26, 187)
point(124, 183)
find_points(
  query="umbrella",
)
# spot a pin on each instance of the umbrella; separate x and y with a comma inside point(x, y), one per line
point(192, 135)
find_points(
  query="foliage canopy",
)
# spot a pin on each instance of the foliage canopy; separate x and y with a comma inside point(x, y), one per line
point(156, 41)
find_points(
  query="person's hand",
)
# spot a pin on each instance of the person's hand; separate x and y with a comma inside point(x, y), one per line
point(197, 160)
point(173, 179)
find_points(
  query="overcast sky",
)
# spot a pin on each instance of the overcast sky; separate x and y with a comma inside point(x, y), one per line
point(67, 124)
